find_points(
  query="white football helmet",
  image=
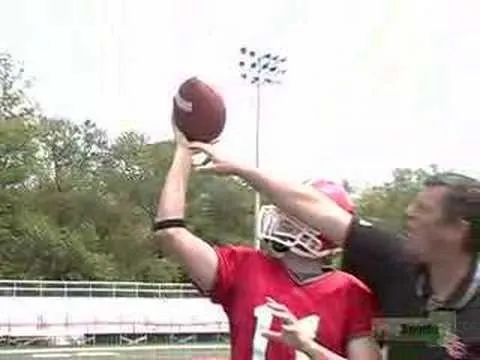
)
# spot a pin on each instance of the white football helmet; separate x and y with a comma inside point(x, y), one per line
point(283, 233)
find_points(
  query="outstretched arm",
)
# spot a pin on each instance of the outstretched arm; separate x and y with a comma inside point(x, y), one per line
point(199, 258)
point(300, 201)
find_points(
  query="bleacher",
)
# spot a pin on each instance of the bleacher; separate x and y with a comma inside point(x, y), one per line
point(55, 309)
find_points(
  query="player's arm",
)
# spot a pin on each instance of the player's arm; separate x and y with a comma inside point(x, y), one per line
point(199, 258)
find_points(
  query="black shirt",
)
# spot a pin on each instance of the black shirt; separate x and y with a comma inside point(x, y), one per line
point(378, 258)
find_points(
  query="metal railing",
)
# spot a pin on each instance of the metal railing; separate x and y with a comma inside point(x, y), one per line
point(55, 288)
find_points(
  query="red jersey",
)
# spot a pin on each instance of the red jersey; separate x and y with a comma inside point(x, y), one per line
point(335, 306)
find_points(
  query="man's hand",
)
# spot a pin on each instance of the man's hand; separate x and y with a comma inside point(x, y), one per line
point(293, 332)
point(455, 348)
point(299, 334)
point(214, 161)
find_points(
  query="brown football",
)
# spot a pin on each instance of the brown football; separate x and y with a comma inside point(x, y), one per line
point(199, 111)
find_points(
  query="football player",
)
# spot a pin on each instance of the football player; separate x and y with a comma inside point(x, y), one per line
point(331, 306)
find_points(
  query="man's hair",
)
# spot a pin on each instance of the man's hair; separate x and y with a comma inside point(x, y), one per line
point(461, 202)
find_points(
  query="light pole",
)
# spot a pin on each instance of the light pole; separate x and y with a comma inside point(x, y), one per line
point(260, 69)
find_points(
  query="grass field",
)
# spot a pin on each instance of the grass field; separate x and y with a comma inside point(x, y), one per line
point(177, 352)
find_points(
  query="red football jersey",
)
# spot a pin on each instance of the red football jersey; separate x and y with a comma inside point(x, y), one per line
point(335, 306)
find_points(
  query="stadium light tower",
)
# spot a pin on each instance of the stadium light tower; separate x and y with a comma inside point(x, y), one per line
point(260, 69)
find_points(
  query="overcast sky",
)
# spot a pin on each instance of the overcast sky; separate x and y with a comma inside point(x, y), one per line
point(371, 85)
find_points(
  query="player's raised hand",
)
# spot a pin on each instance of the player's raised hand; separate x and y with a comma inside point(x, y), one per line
point(213, 162)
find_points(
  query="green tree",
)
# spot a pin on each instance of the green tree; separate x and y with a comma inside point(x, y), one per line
point(18, 152)
point(72, 153)
point(18, 148)
point(14, 101)
point(385, 204)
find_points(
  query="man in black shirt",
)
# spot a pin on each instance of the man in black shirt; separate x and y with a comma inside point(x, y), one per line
point(432, 268)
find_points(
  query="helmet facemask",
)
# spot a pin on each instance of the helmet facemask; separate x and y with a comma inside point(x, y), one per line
point(282, 233)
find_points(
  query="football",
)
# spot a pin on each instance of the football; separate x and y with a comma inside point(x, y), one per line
point(199, 111)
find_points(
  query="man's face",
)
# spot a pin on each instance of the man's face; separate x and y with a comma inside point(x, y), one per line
point(429, 234)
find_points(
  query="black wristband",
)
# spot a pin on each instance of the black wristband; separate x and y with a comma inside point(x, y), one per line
point(168, 223)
